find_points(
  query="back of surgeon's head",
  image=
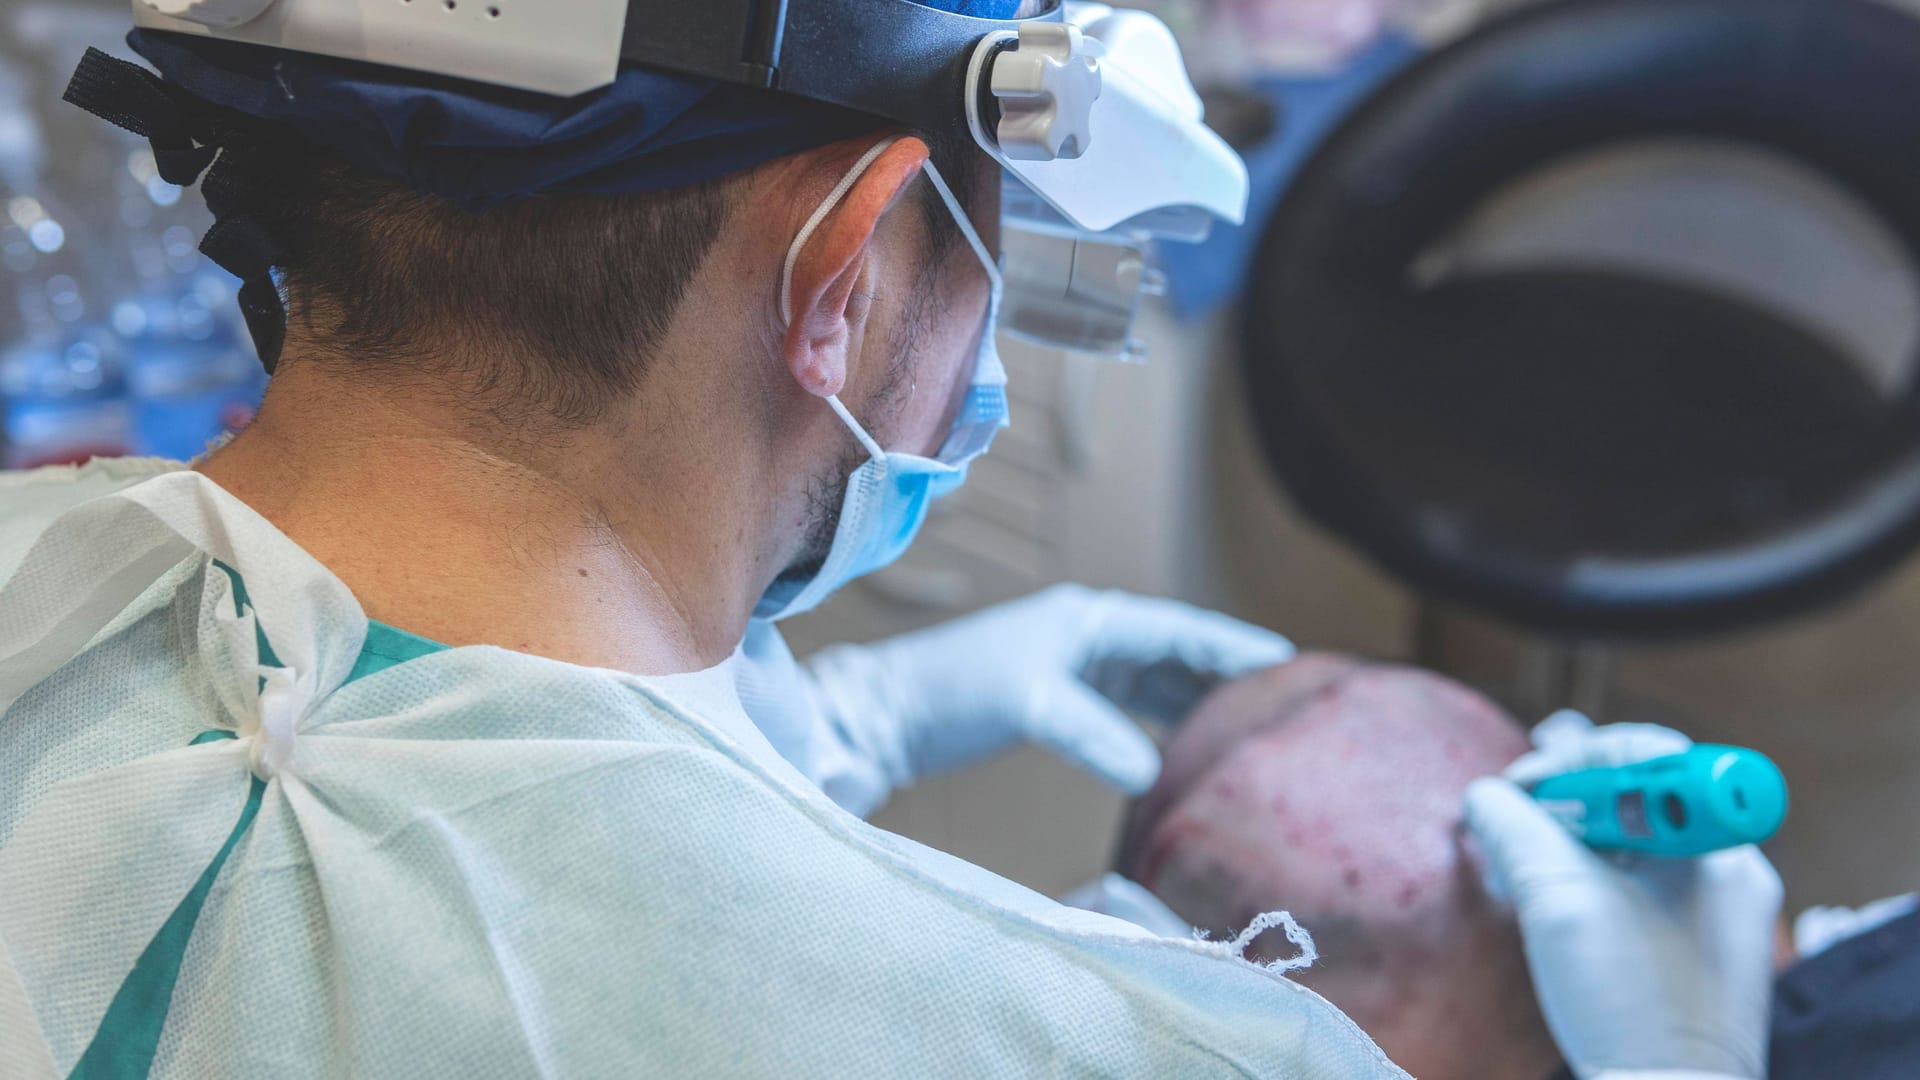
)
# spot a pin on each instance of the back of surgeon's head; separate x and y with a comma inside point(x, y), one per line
point(1331, 788)
point(647, 353)
point(550, 307)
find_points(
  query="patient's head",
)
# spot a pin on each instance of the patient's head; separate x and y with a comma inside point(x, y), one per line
point(1331, 788)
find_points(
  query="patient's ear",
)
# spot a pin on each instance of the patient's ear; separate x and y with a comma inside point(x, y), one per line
point(833, 258)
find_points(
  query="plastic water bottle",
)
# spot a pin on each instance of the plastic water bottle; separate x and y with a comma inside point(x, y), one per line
point(122, 337)
point(190, 377)
point(62, 395)
point(65, 399)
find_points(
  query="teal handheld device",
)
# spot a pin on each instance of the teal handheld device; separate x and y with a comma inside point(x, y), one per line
point(1681, 806)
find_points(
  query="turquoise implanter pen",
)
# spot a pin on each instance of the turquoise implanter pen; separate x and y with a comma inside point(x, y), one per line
point(1681, 806)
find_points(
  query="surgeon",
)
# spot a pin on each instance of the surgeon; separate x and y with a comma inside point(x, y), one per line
point(438, 724)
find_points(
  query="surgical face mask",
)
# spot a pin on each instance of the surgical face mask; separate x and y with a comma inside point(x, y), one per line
point(887, 497)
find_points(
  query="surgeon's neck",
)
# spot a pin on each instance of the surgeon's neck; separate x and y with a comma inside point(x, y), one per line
point(561, 547)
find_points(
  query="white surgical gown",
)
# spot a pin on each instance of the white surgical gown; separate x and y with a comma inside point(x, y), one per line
point(479, 863)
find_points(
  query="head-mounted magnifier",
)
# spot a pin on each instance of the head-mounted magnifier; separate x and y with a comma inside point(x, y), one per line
point(1087, 108)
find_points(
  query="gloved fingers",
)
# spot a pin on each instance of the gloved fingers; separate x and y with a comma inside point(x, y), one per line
point(1571, 742)
point(1150, 627)
point(1159, 657)
point(1564, 727)
point(1085, 729)
point(1746, 875)
point(1528, 854)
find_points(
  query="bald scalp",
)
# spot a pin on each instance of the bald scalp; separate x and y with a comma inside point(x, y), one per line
point(1331, 787)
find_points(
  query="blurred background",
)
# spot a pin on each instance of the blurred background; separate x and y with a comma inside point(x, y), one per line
point(1569, 349)
point(116, 335)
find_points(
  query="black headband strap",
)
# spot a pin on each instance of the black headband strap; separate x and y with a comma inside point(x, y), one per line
point(191, 137)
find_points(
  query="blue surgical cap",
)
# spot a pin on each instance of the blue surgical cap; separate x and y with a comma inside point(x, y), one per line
point(478, 145)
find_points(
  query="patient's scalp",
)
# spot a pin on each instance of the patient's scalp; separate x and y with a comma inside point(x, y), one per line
point(1332, 788)
point(1238, 709)
point(1344, 776)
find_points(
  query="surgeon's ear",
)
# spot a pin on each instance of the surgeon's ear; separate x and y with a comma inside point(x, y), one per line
point(821, 298)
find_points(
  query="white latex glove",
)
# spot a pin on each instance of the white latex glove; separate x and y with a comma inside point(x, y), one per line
point(1057, 668)
point(1644, 967)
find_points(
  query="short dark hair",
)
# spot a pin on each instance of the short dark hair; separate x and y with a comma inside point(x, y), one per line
point(570, 291)
point(575, 288)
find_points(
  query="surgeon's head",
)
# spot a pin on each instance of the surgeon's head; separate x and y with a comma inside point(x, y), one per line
point(596, 332)
point(1332, 788)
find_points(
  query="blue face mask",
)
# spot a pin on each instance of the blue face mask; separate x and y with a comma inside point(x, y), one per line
point(887, 497)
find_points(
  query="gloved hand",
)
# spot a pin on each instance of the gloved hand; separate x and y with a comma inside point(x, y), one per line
point(1644, 967)
point(1056, 668)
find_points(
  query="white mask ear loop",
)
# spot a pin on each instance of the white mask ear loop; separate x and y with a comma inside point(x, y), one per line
point(966, 226)
point(820, 214)
point(793, 256)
